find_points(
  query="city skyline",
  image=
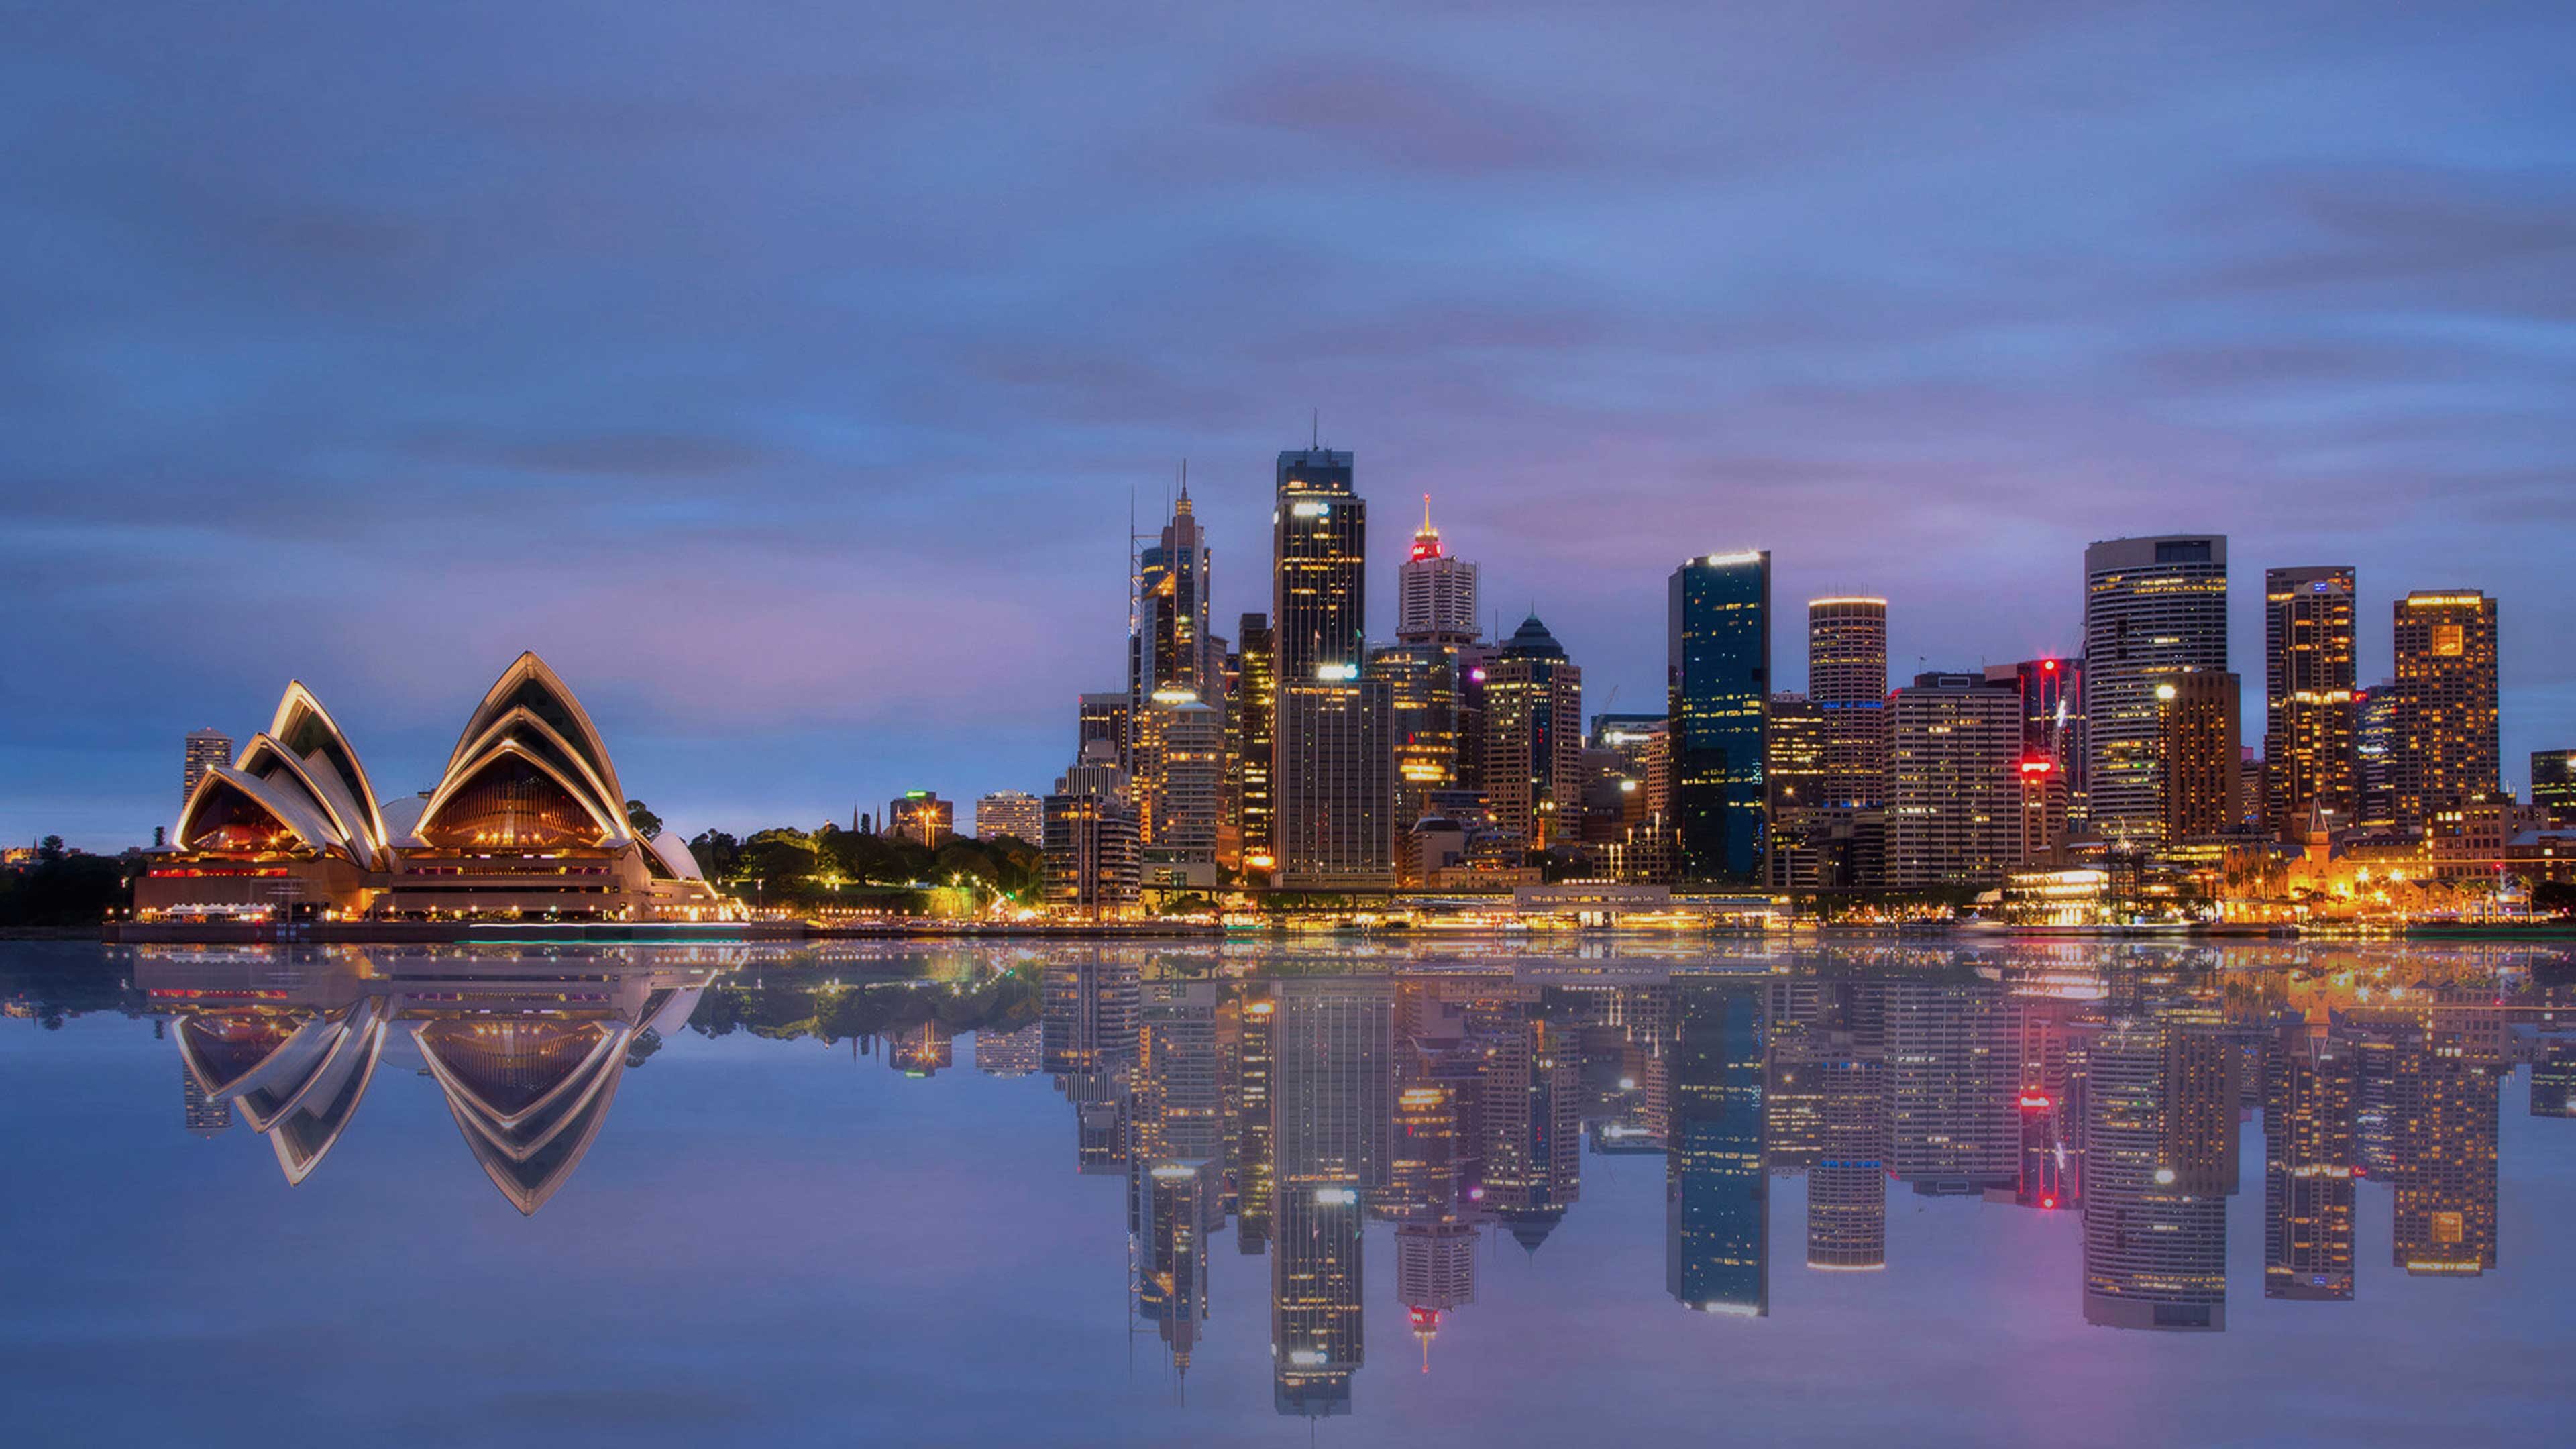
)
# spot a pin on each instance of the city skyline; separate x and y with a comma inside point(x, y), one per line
point(1790, 660)
point(821, 426)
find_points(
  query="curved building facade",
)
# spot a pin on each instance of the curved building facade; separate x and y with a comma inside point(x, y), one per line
point(528, 820)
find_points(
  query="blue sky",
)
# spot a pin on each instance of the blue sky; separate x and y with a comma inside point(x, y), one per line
point(783, 377)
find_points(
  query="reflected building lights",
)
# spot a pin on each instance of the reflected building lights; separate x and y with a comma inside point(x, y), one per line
point(1439, 1107)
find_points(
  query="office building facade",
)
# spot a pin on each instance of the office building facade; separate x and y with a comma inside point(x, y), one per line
point(1335, 824)
point(1332, 774)
point(1435, 593)
point(1252, 743)
point(205, 751)
point(2553, 785)
point(1180, 777)
point(1954, 782)
point(2153, 608)
point(1421, 680)
point(2448, 750)
point(1847, 683)
point(1533, 697)
point(2311, 698)
point(921, 817)
point(1171, 646)
point(1718, 686)
point(2199, 765)
point(1012, 815)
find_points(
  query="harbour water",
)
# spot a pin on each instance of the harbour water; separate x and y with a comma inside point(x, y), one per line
point(1929, 1192)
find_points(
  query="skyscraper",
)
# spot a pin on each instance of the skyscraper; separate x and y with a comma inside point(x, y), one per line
point(2553, 784)
point(1797, 777)
point(2199, 775)
point(1425, 673)
point(1106, 717)
point(1332, 774)
point(1954, 782)
point(1435, 594)
point(1172, 647)
point(1847, 681)
point(1015, 814)
point(1180, 747)
point(2052, 713)
point(1718, 680)
point(206, 749)
point(2153, 608)
point(2447, 750)
point(1534, 738)
point(2052, 750)
point(2311, 697)
point(2375, 744)
point(1422, 701)
point(1093, 864)
point(1250, 760)
point(1319, 579)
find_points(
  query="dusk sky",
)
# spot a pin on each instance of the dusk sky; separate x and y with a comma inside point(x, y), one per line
point(782, 374)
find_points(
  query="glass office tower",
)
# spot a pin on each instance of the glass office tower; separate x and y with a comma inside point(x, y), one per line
point(1719, 683)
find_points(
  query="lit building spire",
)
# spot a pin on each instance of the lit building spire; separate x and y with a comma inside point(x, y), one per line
point(1435, 593)
point(1426, 539)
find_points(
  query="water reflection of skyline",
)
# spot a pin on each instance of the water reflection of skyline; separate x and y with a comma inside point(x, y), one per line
point(1455, 1104)
point(1443, 1110)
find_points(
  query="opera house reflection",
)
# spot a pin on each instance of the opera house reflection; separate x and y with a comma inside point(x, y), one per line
point(1318, 1113)
point(527, 1051)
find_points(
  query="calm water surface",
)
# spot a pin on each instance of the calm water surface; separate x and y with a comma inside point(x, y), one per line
point(1883, 1192)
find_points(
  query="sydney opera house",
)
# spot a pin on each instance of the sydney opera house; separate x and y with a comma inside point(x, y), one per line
point(527, 822)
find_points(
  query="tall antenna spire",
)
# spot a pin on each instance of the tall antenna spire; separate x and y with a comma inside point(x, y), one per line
point(1315, 429)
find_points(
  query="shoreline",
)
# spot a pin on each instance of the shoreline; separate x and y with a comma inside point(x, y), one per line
point(389, 933)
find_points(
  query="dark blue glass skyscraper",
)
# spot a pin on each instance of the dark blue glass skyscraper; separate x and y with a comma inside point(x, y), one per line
point(1719, 684)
